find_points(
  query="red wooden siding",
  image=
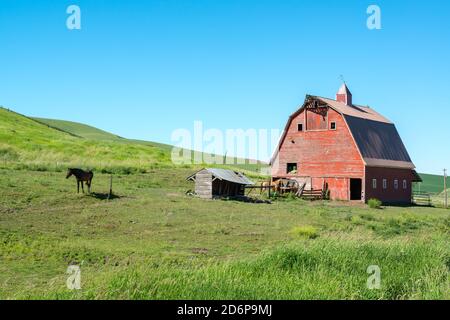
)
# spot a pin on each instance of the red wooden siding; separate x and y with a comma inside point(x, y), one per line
point(316, 120)
point(390, 194)
point(324, 155)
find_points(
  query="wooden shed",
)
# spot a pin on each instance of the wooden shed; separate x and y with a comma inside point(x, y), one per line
point(214, 182)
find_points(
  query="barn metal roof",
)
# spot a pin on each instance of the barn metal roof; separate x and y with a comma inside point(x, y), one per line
point(354, 110)
point(228, 175)
point(379, 143)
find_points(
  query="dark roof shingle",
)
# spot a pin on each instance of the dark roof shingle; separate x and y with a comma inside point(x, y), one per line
point(379, 143)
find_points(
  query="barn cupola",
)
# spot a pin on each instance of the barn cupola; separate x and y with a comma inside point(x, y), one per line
point(344, 95)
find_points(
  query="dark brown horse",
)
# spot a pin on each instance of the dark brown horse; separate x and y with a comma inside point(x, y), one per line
point(81, 176)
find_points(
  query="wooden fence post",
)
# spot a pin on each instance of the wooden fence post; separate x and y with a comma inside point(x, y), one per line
point(110, 188)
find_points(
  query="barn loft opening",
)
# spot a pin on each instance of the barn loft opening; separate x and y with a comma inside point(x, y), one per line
point(317, 118)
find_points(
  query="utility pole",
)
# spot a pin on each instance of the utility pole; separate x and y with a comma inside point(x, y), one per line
point(445, 188)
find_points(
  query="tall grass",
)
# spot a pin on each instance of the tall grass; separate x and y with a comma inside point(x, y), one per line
point(320, 269)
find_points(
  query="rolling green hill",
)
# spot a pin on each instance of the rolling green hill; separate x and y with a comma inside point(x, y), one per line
point(431, 183)
point(26, 143)
point(92, 133)
point(78, 129)
point(46, 144)
point(89, 132)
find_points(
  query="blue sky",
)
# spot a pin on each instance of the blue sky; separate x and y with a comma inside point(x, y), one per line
point(142, 69)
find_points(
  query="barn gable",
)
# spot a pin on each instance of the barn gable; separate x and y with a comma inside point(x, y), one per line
point(375, 136)
point(307, 147)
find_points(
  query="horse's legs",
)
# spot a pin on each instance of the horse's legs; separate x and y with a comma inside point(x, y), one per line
point(89, 185)
point(78, 186)
point(82, 185)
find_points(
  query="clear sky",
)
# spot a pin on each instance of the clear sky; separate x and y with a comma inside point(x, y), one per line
point(142, 69)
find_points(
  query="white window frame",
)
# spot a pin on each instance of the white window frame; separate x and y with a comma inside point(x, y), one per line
point(396, 184)
point(384, 184)
point(405, 184)
point(374, 183)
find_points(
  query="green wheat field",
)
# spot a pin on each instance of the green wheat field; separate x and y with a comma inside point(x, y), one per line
point(152, 241)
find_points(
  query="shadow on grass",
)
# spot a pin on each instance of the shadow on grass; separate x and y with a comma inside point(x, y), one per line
point(104, 196)
point(243, 199)
point(409, 205)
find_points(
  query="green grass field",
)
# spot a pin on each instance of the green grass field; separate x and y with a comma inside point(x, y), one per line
point(154, 242)
point(151, 241)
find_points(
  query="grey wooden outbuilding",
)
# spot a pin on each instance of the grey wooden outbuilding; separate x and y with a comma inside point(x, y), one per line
point(215, 182)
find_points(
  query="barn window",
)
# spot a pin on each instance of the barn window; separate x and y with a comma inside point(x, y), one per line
point(395, 184)
point(333, 125)
point(405, 184)
point(374, 183)
point(300, 127)
point(384, 183)
point(291, 168)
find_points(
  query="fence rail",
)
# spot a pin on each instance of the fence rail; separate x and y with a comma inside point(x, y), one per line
point(422, 198)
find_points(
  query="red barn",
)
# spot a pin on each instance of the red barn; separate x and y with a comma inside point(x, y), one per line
point(350, 150)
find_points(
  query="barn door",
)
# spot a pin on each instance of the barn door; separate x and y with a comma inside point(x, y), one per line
point(355, 189)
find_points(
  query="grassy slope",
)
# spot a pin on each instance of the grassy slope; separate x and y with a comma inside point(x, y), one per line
point(78, 129)
point(432, 183)
point(154, 242)
point(92, 133)
point(54, 145)
point(25, 142)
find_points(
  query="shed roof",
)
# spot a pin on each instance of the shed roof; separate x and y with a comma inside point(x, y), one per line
point(225, 174)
